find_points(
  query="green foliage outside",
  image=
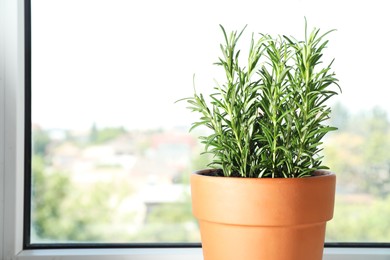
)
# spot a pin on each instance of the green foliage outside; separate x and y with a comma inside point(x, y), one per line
point(40, 142)
point(99, 136)
point(48, 191)
point(358, 154)
point(366, 220)
point(172, 222)
point(65, 212)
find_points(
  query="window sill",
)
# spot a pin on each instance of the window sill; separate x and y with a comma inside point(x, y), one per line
point(180, 254)
point(112, 254)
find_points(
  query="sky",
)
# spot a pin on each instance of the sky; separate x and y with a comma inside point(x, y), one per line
point(125, 63)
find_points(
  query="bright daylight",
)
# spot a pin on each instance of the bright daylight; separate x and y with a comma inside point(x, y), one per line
point(112, 153)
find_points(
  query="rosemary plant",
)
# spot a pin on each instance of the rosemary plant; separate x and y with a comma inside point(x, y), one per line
point(269, 117)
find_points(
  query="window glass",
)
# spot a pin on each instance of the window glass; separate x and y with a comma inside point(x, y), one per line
point(111, 151)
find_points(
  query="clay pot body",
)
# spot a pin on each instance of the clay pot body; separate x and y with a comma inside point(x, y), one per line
point(262, 218)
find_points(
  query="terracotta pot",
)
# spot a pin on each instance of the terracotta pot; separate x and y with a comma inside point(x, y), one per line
point(262, 218)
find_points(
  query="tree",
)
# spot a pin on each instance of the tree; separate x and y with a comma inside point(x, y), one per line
point(99, 136)
point(359, 151)
point(63, 211)
point(40, 141)
point(48, 192)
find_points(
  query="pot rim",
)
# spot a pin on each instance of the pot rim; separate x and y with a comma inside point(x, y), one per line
point(318, 174)
point(270, 201)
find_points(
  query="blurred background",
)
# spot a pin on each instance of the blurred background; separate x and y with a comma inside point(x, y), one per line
point(112, 153)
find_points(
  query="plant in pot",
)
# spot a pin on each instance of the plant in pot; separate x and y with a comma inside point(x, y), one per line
point(266, 194)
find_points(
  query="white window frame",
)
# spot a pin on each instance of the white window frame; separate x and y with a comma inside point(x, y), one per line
point(12, 167)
